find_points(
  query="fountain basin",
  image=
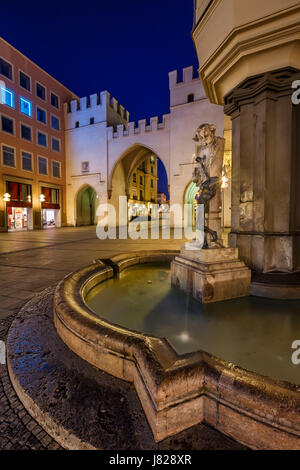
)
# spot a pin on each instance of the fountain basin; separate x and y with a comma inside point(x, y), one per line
point(176, 390)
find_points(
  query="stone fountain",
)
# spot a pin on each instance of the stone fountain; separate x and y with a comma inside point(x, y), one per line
point(205, 268)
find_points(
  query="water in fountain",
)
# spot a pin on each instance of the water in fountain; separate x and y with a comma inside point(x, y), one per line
point(252, 332)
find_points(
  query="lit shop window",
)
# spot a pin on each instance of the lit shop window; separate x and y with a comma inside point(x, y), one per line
point(25, 107)
point(7, 97)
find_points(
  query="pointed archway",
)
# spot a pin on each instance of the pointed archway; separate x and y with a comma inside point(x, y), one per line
point(189, 198)
point(86, 206)
point(140, 175)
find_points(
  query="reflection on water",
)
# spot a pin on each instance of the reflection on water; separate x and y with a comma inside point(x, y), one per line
point(254, 333)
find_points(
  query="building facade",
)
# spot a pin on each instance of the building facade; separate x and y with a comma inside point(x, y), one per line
point(143, 188)
point(62, 156)
point(104, 149)
point(32, 144)
point(249, 60)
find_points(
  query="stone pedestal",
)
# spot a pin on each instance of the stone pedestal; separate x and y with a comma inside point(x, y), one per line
point(211, 275)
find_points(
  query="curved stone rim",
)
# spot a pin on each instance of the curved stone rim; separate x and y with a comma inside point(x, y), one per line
point(176, 391)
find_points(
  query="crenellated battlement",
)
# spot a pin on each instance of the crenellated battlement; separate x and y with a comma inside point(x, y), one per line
point(93, 109)
point(142, 127)
point(187, 75)
point(189, 90)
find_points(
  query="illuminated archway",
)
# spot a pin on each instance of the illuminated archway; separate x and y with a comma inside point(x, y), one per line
point(189, 198)
point(86, 206)
point(125, 180)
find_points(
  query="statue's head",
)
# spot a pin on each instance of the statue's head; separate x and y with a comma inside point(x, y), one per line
point(205, 134)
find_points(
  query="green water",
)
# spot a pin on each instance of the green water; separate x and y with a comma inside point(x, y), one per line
point(251, 332)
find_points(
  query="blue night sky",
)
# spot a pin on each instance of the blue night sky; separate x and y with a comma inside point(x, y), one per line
point(127, 48)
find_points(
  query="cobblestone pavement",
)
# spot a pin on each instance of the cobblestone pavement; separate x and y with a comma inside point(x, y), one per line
point(18, 431)
point(29, 263)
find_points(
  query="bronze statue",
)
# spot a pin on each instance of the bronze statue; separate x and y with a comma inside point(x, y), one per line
point(207, 176)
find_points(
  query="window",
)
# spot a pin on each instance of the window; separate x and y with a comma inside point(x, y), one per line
point(51, 195)
point(141, 195)
point(152, 159)
point(26, 161)
point(41, 91)
point(134, 177)
point(77, 124)
point(7, 125)
point(7, 97)
point(25, 81)
point(141, 180)
point(26, 132)
point(142, 167)
point(54, 100)
point(190, 98)
point(43, 166)
point(151, 170)
point(19, 191)
point(26, 107)
point(55, 123)
point(85, 167)
point(6, 69)
point(8, 156)
point(42, 139)
point(152, 184)
point(41, 115)
point(56, 169)
point(55, 144)
point(92, 120)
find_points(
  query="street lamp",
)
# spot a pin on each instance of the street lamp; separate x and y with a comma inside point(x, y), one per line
point(224, 182)
point(6, 197)
point(42, 198)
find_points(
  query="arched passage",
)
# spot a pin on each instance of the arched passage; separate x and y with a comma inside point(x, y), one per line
point(140, 175)
point(189, 198)
point(86, 206)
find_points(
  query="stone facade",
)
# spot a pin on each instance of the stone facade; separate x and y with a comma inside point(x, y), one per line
point(248, 59)
point(265, 215)
point(99, 132)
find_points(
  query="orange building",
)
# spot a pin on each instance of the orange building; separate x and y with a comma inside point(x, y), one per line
point(32, 144)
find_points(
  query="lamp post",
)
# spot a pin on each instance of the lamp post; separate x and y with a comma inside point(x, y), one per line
point(6, 198)
point(42, 199)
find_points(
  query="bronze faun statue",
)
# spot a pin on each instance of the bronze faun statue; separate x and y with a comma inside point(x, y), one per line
point(207, 176)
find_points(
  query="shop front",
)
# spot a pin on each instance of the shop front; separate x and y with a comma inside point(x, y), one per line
point(136, 209)
point(50, 201)
point(18, 198)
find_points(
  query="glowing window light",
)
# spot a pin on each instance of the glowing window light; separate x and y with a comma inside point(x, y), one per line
point(6, 197)
point(7, 97)
point(26, 107)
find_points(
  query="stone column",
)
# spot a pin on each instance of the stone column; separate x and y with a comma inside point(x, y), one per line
point(265, 177)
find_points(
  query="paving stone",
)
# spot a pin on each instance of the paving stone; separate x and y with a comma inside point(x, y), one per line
point(36, 260)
